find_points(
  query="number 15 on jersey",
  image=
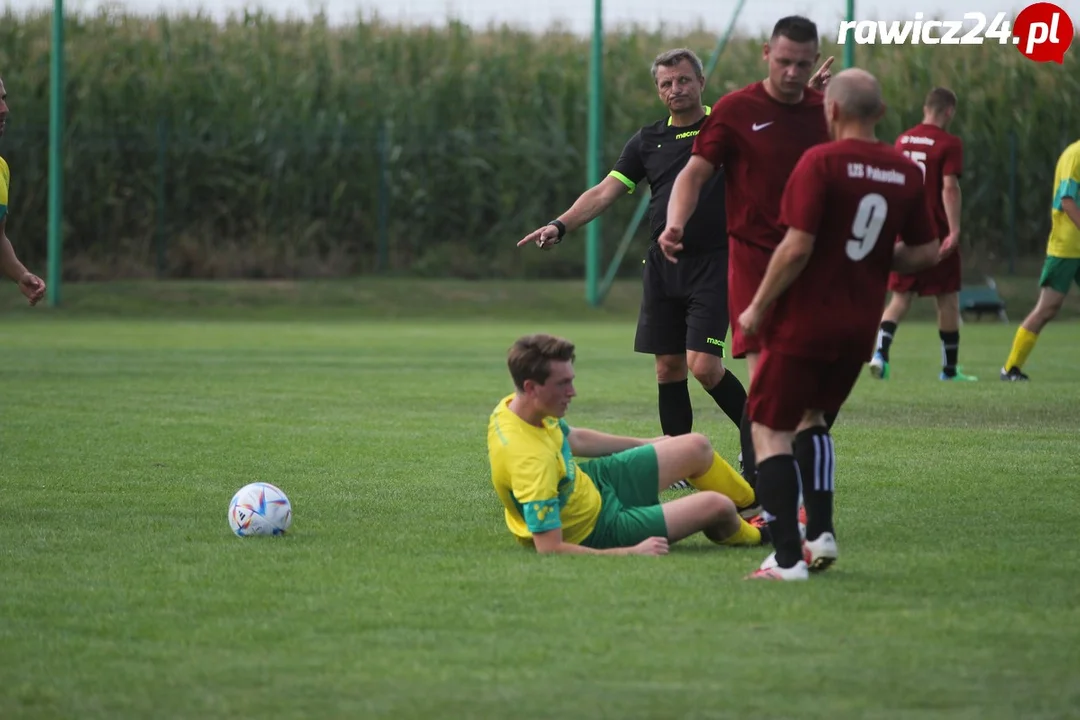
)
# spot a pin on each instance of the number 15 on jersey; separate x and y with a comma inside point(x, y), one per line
point(919, 158)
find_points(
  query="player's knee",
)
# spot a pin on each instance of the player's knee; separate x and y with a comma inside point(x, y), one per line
point(1047, 317)
point(1042, 315)
point(724, 507)
point(1050, 308)
point(717, 506)
point(708, 370)
point(700, 448)
point(670, 368)
point(769, 442)
point(1034, 322)
point(949, 303)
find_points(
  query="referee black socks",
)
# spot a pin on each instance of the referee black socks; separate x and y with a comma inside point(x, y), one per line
point(730, 395)
point(676, 412)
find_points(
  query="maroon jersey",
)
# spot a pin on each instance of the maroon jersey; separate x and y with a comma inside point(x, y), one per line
point(938, 154)
point(757, 140)
point(854, 197)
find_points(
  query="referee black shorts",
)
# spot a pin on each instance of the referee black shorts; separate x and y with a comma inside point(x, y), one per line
point(684, 305)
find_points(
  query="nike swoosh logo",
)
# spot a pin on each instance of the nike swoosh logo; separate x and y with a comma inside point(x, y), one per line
point(757, 127)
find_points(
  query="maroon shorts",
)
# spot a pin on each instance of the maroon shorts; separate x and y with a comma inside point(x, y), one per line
point(784, 387)
point(746, 269)
point(942, 279)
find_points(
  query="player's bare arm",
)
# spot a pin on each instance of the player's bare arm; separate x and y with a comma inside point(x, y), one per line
point(590, 205)
point(683, 202)
point(1070, 208)
point(910, 259)
point(786, 264)
point(29, 284)
point(551, 542)
point(593, 443)
point(951, 198)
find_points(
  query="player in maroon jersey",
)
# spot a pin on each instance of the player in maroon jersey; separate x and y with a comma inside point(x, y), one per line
point(815, 314)
point(755, 135)
point(941, 157)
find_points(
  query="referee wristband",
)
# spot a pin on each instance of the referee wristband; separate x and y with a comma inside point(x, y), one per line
point(558, 225)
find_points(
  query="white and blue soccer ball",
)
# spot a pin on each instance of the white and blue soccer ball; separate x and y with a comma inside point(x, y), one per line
point(260, 509)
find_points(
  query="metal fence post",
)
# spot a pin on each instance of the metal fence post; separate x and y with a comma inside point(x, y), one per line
point(160, 242)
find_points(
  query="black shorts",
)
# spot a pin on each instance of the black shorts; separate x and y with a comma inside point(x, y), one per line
point(683, 305)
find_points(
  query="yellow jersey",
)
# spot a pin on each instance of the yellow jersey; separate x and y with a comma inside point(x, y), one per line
point(1064, 235)
point(5, 181)
point(535, 475)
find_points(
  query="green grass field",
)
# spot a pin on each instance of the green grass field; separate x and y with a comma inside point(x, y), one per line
point(130, 418)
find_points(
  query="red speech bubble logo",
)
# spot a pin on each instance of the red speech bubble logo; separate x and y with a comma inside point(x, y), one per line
point(1043, 32)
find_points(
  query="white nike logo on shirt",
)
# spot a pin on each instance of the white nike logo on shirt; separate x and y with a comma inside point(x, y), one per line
point(757, 127)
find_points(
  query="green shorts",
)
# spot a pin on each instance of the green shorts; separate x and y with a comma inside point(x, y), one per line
point(630, 511)
point(1060, 273)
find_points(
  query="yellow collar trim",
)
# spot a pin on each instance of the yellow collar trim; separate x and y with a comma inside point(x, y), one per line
point(708, 111)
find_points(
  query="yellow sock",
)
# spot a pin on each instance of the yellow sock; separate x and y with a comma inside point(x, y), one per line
point(747, 535)
point(1023, 344)
point(722, 478)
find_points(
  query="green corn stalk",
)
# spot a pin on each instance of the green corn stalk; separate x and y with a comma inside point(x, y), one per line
point(271, 164)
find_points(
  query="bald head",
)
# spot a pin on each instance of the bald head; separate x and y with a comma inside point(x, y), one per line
point(857, 95)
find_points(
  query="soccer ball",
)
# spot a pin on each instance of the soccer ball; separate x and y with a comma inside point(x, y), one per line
point(260, 509)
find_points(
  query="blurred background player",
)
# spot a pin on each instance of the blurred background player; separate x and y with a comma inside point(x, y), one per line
point(683, 319)
point(940, 156)
point(754, 136)
point(1062, 266)
point(815, 313)
point(29, 284)
point(610, 503)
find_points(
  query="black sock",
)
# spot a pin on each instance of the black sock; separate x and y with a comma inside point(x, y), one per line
point(817, 469)
point(778, 493)
point(830, 419)
point(950, 351)
point(730, 395)
point(885, 338)
point(676, 412)
point(746, 440)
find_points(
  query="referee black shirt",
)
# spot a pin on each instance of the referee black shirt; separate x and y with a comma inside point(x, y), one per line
point(657, 153)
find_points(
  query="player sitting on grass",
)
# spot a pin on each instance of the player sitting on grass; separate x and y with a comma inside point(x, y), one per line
point(609, 504)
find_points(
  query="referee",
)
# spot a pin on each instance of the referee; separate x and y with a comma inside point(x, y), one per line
point(684, 312)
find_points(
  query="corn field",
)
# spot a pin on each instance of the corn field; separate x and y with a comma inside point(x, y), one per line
point(270, 148)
